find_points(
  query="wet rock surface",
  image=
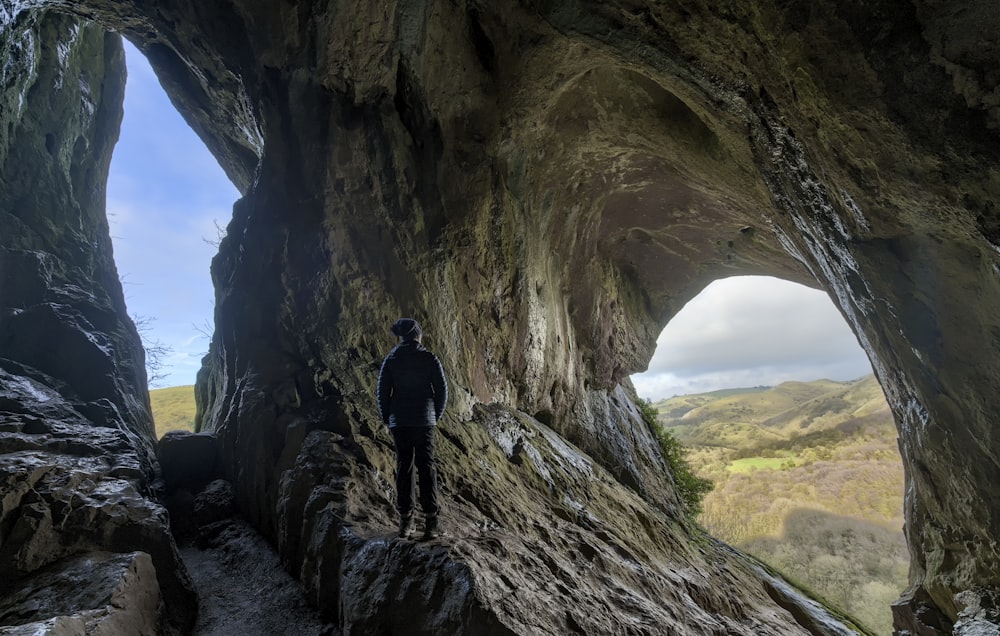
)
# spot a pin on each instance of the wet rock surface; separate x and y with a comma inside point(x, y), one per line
point(242, 588)
point(78, 475)
point(543, 185)
point(70, 487)
point(97, 593)
point(540, 539)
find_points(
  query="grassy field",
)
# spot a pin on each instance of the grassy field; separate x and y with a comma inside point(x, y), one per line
point(173, 409)
point(808, 479)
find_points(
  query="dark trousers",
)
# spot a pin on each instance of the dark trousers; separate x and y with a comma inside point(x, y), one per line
point(415, 443)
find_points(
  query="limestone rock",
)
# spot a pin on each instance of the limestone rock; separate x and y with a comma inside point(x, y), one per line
point(541, 540)
point(243, 588)
point(193, 512)
point(214, 503)
point(76, 438)
point(71, 487)
point(98, 593)
point(914, 614)
point(62, 311)
point(60, 626)
point(979, 613)
point(543, 185)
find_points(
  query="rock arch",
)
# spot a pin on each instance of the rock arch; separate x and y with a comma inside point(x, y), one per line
point(417, 159)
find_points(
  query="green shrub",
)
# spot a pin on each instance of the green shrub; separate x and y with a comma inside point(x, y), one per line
point(690, 488)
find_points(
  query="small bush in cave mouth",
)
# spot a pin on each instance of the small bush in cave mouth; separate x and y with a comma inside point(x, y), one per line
point(690, 488)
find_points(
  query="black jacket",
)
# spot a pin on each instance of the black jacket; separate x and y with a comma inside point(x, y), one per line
point(411, 387)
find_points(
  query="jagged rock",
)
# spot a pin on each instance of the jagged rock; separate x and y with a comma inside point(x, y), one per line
point(979, 613)
point(60, 626)
point(244, 589)
point(543, 185)
point(541, 540)
point(215, 503)
point(914, 614)
point(62, 311)
point(76, 437)
point(71, 487)
point(98, 594)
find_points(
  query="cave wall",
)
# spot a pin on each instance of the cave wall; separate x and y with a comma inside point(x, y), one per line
point(62, 105)
point(544, 185)
point(77, 470)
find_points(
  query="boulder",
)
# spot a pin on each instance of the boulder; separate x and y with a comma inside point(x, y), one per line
point(215, 503)
point(97, 593)
point(188, 460)
point(71, 487)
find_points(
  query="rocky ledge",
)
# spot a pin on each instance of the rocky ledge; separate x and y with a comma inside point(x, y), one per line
point(544, 185)
point(77, 497)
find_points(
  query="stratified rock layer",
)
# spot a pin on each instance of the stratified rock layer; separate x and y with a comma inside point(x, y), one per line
point(543, 185)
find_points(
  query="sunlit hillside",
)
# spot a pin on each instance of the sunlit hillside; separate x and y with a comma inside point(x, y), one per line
point(807, 478)
point(173, 409)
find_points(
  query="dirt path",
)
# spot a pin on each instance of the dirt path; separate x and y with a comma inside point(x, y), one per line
point(244, 591)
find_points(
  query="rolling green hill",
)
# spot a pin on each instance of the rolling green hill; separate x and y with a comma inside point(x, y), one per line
point(807, 478)
point(173, 409)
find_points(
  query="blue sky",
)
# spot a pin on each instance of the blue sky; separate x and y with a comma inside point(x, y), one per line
point(166, 194)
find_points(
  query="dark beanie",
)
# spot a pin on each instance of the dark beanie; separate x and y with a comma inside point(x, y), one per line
point(407, 329)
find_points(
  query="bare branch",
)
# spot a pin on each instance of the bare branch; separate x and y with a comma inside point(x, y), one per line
point(156, 351)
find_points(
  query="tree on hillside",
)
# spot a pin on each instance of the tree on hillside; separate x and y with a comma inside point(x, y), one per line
point(690, 488)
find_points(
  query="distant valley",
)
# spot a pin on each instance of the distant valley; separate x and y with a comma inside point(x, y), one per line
point(808, 479)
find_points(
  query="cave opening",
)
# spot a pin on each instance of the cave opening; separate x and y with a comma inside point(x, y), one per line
point(889, 208)
point(168, 204)
point(766, 386)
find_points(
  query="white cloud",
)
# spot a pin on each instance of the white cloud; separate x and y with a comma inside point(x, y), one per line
point(750, 331)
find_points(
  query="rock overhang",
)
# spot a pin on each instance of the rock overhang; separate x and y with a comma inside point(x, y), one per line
point(570, 148)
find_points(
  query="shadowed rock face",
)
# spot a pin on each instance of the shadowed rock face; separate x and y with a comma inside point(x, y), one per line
point(76, 462)
point(543, 186)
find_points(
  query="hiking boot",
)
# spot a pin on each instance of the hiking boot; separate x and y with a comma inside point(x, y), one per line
point(431, 530)
point(405, 526)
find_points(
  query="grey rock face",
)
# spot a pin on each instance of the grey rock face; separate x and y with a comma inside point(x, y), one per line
point(71, 487)
point(543, 185)
point(97, 593)
point(76, 460)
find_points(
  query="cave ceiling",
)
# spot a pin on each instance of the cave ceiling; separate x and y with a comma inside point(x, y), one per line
point(545, 184)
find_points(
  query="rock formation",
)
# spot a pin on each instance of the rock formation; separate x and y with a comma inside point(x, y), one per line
point(543, 185)
point(77, 468)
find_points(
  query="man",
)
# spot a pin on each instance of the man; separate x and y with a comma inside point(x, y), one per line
point(412, 393)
